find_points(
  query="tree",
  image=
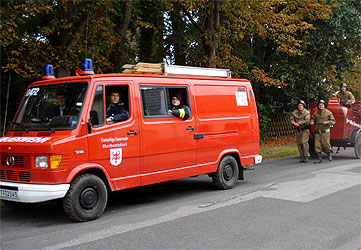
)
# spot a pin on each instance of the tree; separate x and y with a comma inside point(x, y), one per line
point(151, 31)
point(61, 33)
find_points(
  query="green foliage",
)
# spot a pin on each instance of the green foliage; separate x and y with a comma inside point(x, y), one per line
point(290, 50)
point(265, 114)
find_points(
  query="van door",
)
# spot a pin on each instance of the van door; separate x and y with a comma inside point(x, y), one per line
point(168, 145)
point(114, 140)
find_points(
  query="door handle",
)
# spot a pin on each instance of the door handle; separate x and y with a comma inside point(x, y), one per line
point(133, 133)
point(198, 136)
point(190, 128)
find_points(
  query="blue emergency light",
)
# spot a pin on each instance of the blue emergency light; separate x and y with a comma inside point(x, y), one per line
point(48, 72)
point(87, 67)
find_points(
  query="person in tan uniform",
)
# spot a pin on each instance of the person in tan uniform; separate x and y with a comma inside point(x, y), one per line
point(300, 119)
point(346, 97)
point(323, 118)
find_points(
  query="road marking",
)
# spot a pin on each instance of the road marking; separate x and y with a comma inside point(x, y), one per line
point(319, 184)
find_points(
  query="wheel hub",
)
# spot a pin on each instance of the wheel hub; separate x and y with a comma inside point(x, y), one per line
point(228, 172)
point(88, 198)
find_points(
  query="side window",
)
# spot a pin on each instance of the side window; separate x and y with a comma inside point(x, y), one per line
point(117, 108)
point(153, 101)
point(157, 100)
point(97, 110)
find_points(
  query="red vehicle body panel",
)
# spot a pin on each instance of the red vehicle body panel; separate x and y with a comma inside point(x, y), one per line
point(154, 150)
point(348, 120)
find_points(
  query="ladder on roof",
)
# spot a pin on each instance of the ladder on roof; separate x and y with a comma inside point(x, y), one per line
point(165, 69)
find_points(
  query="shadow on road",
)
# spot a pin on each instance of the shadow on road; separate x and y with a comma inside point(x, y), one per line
point(51, 212)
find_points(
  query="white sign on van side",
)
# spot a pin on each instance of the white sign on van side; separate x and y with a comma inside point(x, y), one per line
point(241, 98)
point(115, 156)
point(25, 139)
point(114, 142)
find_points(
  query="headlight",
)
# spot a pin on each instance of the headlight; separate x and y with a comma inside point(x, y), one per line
point(41, 162)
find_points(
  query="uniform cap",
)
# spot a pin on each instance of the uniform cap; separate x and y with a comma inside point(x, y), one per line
point(343, 85)
point(322, 101)
point(302, 102)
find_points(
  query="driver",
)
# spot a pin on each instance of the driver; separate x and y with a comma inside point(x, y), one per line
point(346, 97)
point(62, 108)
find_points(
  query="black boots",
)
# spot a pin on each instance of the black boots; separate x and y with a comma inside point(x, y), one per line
point(304, 160)
point(329, 156)
point(319, 158)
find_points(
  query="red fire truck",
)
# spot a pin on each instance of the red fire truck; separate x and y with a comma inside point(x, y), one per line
point(347, 130)
point(79, 156)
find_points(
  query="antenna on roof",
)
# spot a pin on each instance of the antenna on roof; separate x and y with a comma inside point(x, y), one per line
point(86, 37)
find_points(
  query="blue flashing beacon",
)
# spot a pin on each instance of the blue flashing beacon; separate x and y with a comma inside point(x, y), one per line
point(48, 72)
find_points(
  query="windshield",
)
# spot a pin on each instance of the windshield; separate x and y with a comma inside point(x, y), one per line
point(51, 107)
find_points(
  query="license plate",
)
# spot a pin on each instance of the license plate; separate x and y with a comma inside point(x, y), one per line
point(10, 194)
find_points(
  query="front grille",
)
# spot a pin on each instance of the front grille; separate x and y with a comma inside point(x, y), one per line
point(21, 161)
point(15, 172)
point(14, 175)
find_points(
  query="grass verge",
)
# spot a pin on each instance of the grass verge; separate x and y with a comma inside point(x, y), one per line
point(278, 147)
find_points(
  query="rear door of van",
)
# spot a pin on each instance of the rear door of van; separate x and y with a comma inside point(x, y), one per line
point(224, 117)
point(168, 145)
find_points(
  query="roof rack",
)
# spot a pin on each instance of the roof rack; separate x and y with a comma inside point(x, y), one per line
point(164, 69)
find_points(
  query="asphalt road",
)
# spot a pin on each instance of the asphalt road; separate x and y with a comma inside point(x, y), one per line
point(281, 205)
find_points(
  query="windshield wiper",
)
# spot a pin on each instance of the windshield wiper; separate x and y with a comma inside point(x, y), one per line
point(22, 126)
point(47, 126)
point(43, 123)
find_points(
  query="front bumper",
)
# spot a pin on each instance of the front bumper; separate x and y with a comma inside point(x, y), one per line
point(32, 193)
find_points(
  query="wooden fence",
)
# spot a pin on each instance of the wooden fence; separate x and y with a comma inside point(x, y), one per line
point(281, 126)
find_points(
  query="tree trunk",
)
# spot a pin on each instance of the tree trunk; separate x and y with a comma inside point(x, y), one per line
point(149, 44)
point(258, 53)
point(179, 36)
point(146, 44)
point(127, 17)
point(69, 37)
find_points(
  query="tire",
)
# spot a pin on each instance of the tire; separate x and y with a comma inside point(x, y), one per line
point(86, 199)
point(227, 173)
point(357, 146)
point(311, 144)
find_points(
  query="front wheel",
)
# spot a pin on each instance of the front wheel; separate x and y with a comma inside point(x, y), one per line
point(227, 173)
point(357, 146)
point(86, 199)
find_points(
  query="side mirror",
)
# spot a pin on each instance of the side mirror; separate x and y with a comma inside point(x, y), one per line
point(89, 127)
point(94, 118)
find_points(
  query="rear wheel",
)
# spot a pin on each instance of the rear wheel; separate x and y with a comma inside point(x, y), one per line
point(357, 146)
point(86, 199)
point(227, 173)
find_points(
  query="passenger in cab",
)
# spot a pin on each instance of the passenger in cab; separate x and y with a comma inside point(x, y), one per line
point(178, 109)
point(346, 97)
point(62, 109)
point(116, 110)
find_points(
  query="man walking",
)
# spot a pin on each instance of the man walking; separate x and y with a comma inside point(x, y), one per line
point(300, 119)
point(323, 118)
